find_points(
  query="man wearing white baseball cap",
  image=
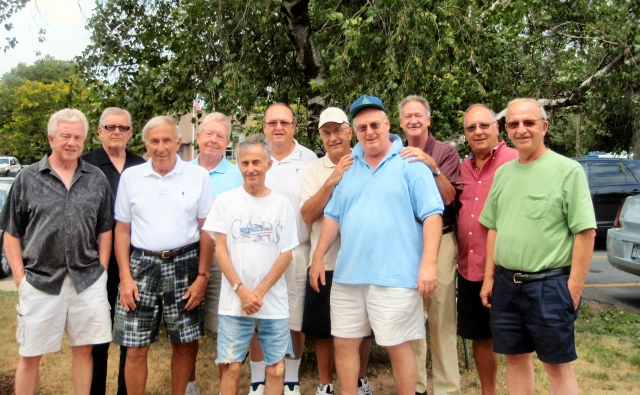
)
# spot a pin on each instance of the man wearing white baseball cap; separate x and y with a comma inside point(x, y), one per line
point(318, 180)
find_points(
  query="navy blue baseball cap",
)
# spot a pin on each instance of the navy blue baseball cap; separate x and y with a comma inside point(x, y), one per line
point(363, 102)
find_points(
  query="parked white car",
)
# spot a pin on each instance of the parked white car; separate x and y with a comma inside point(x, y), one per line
point(623, 240)
point(9, 165)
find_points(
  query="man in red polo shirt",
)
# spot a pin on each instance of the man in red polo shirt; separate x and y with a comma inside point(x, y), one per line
point(477, 172)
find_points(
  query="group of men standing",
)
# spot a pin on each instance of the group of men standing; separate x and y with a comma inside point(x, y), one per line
point(352, 246)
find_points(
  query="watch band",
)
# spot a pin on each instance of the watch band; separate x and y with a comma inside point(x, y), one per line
point(205, 275)
point(437, 172)
point(236, 286)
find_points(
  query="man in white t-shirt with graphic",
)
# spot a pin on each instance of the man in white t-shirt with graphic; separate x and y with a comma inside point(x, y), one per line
point(285, 177)
point(255, 232)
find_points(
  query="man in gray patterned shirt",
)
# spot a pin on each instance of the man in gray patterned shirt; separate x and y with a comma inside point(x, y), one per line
point(57, 222)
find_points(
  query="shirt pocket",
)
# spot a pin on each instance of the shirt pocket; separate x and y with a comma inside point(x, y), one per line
point(535, 206)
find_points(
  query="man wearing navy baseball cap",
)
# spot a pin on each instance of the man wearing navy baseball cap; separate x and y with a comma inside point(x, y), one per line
point(381, 277)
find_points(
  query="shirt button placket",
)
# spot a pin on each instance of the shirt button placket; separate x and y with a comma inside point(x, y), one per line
point(67, 239)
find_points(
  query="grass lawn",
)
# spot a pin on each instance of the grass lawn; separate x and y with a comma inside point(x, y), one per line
point(608, 342)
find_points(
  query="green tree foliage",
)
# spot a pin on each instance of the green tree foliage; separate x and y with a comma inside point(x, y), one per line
point(28, 97)
point(580, 56)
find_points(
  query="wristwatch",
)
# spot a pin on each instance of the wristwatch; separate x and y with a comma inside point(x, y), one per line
point(236, 286)
point(437, 172)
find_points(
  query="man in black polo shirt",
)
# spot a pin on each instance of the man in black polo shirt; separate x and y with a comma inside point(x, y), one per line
point(58, 222)
point(112, 158)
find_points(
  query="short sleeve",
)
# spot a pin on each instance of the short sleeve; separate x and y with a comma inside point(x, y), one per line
point(123, 199)
point(488, 215)
point(334, 206)
point(105, 214)
point(309, 185)
point(450, 167)
point(216, 221)
point(206, 197)
point(290, 239)
point(577, 206)
point(423, 191)
point(13, 219)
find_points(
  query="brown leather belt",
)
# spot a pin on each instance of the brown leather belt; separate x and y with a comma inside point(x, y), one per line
point(166, 254)
point(527, 277)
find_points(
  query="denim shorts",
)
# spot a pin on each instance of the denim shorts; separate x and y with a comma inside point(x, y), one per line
point(234, 335)
point(535, 316)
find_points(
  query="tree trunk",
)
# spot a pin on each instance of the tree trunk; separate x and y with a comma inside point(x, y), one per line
point(298, 26)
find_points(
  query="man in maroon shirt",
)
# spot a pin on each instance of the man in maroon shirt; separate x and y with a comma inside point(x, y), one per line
point(477, 172)
point(444, 162)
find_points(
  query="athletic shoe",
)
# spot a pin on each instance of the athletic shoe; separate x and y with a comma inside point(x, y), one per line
point(192, 390)
point(292, 389)
point(324, 389)
point(363, 387)
point(257, 389)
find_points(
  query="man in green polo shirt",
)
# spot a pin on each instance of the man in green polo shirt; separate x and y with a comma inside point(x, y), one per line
point(539, 246)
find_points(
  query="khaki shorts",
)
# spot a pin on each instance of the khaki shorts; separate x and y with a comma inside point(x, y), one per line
point(296, 279)
point(394, 314)
point(43, 318)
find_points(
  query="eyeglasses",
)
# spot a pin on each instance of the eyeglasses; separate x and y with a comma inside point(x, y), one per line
point(372, 125)
point(527, 123)
point(112, 128)
point(273, 124)
point(336, 133)
point(482, 126)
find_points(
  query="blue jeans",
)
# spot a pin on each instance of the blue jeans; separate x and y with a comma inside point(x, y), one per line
point(234, 335)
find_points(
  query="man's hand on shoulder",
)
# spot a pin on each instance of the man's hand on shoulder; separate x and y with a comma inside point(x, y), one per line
point(416, 154)
point(343, 165)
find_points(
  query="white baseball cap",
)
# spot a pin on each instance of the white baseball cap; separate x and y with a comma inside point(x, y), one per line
point(332, 114)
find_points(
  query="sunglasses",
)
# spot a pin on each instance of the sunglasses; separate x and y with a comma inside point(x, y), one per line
point(112, 128)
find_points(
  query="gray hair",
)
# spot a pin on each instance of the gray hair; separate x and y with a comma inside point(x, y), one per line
point(67, 115)
point(293, 115)
point(471, 107)
point(417, 98)
point(157, 121)
point(543, 113)
point(217, 117)
point(114, 111)
point(256, 139)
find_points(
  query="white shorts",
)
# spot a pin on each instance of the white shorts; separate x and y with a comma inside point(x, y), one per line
point(42, 317)
point(212, 297)
point(394, 314)
point(296, 278)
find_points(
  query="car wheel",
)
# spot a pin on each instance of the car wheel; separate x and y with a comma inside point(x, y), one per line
point(5, 269)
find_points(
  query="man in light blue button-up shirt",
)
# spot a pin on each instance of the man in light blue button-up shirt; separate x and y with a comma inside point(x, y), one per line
point(389, 214)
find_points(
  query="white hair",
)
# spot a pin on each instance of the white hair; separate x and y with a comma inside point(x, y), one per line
point(115, 111)
point(69, 115)
point(157, 121)
point(216, 117)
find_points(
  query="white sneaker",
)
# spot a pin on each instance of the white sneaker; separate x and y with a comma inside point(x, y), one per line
point(294, 391)
point(192, 390)
point(258, 391)
point(364, 388)
point(324, 389)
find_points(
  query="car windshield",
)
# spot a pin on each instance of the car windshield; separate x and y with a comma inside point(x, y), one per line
point(4, 161)
point(4, 180)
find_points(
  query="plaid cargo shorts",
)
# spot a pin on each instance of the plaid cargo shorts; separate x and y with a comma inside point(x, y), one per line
point(161, 284)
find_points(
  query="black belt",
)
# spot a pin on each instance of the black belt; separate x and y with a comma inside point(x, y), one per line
point(526, 277)
point(447, 229)
point(166, 254)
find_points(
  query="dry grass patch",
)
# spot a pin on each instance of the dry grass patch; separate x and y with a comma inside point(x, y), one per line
point(608, 343)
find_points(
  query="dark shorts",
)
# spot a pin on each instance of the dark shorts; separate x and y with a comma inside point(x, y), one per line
point(473, 317)
point(161, 284)
point(316, 318)
point(535, 316)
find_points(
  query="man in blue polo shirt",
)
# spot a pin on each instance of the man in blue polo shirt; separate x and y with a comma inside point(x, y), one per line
point(213, 138)
point(380, 277)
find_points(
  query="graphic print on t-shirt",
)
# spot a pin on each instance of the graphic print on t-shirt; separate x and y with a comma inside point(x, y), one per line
point(264, 231)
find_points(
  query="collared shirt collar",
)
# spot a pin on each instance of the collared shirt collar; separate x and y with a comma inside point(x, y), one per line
point(472, 154)
point(177, 169)
point(220, 168)
point(296, 154)
point(396, 147)
point(327, 162)
point(45, 165)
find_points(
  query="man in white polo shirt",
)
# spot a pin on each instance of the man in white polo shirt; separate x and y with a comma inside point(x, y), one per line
point(318, 180)
point(160, 208)
point(285, 177)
